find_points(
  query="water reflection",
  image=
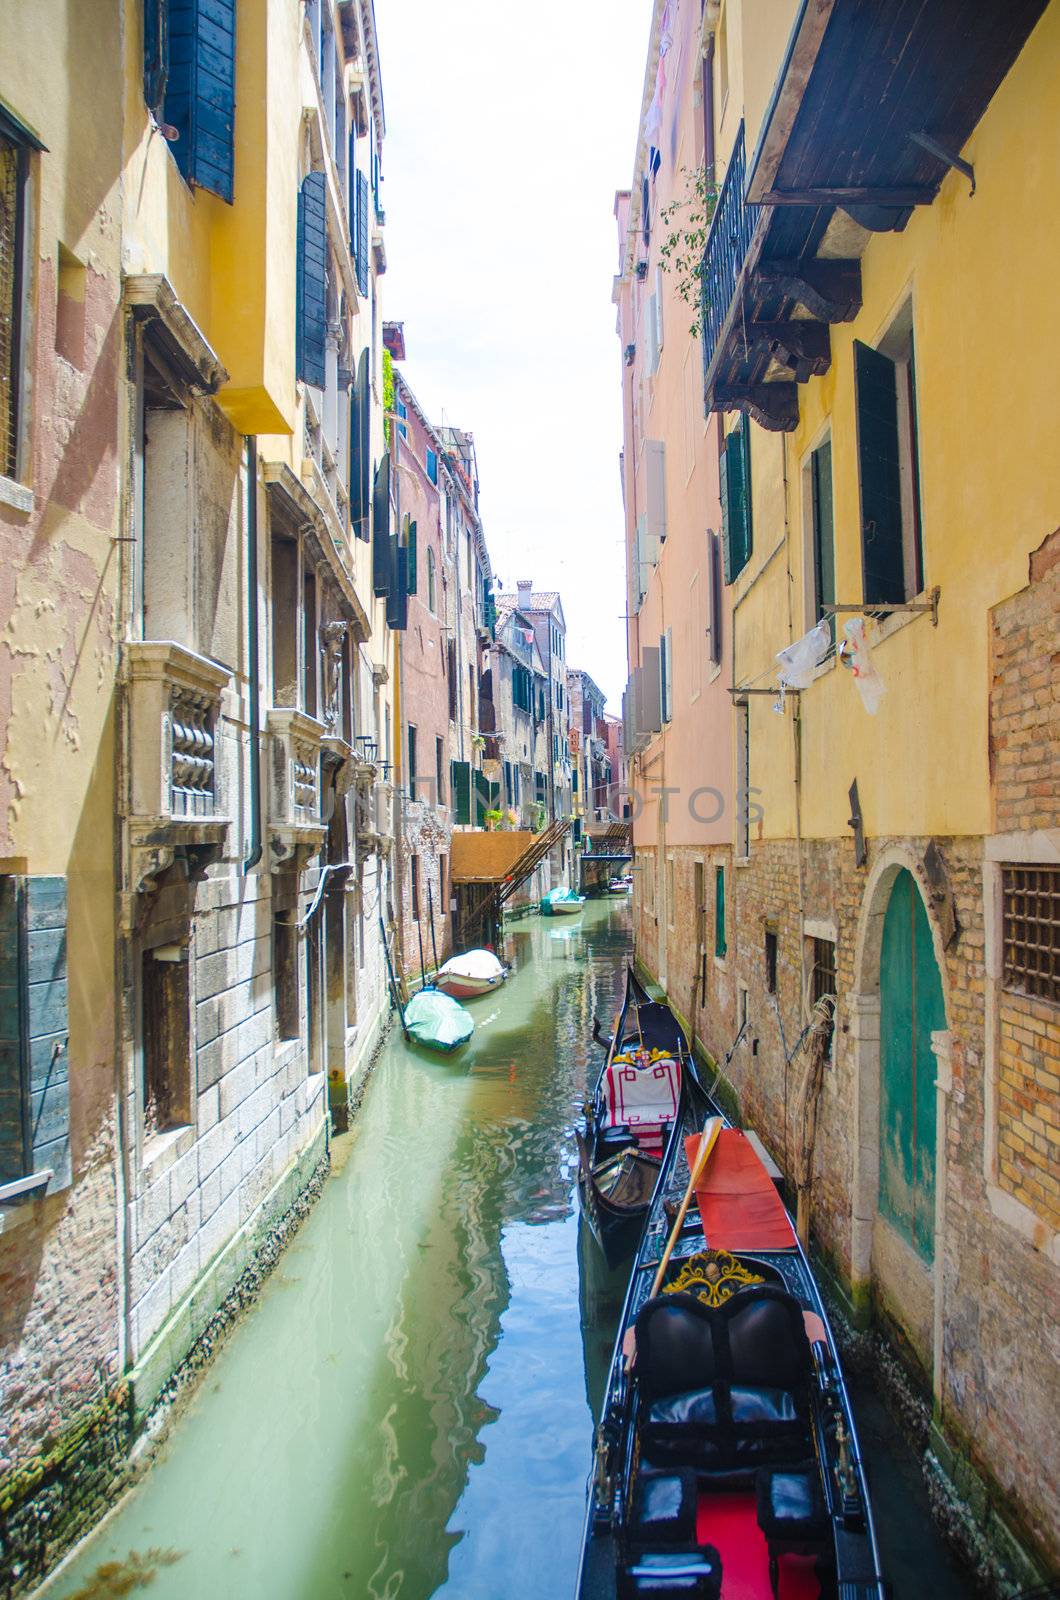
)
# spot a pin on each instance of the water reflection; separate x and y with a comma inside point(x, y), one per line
point(413, 1415)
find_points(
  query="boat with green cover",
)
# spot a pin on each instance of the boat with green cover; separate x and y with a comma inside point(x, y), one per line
point(561, 903)
point(436, 1020)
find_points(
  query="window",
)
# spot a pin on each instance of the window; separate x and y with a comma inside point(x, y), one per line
point(654, 494)
point(714, 587)
point(432, 597)
point(415, 887)
point(699, 893)
point(818, 473)
point(889, 474)
point(15, 148)
point(403, 411)
point(285, 975)
point(1031, 922)
point(443, 886)
point(309, 643)
point(432, 466)
point(189, 82)
point(720, 943)
point(34, 1071)
point(822, 976)
point(735, 485)
point(439, 771)
point(460, 789)
point(284, 575)
point(666, 668)
point(166, 1035)
point(412, 761)
point(450, 673)
point(771, 961)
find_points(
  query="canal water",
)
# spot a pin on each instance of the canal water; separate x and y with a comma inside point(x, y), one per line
point(408, 1410)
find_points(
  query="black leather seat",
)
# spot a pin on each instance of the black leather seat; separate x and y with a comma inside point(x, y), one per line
point(663, 1510)
point(723, 1388)
point(792, 1514)
point(693, 1574)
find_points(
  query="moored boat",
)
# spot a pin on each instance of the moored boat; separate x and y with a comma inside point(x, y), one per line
point(726, 1458)
point(469, 974)
point(635, 1110)
point(561, 903)
point(437, 1020)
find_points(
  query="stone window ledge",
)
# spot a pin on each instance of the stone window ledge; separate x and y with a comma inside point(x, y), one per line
point(16, 495)
point(164, 1149)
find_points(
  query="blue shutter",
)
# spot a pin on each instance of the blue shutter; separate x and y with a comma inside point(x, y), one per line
point(200, 99)
point(432, 466)
point(311, 290)
point(351, 193)
point(156, 53)
point(381, 529)
point(360, 254)
point(402, 410)
point(34, 1079)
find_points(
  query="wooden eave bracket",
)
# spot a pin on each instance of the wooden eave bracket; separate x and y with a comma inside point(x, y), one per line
point(830, 290)
point(153, 300)
point(801, 345)
point(774, 406)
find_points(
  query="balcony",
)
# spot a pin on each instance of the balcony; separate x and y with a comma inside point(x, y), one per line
point(295, 825)
point(866, 119)
point(177, 781)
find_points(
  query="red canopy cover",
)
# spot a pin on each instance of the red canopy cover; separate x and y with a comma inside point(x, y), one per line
point(738, 1202)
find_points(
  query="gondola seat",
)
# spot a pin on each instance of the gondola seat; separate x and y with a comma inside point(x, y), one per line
point(692, 1574)
point(792, 1514)
point(663, 1509)
point(725, 1388)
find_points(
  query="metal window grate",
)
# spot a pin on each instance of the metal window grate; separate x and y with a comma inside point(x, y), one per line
point(1032, 930)
point(12, 174)
point(823, 969)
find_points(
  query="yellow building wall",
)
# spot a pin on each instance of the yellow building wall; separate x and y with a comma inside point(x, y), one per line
point(986, 320)
point(232, 266)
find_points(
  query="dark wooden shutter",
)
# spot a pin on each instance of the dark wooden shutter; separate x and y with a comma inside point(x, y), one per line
point(880, 476)
point(360, 255)
point(361, 450)
point(484, 797)
point(714, 576)
point(34, 1078)
point(412, 571)
point(156, 53)
point(450, 667)
point(311, 291)
point(200, 100)
point(381, 529)
point(351, 191)
point(823, 534)
point(397, 601)
point(721, 943)
point(726, 532)
point(460, 789)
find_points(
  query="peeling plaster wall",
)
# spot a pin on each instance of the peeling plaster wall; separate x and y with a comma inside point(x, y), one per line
point(59, 574)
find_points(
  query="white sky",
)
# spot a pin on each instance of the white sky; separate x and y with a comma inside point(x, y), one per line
point(509, 128)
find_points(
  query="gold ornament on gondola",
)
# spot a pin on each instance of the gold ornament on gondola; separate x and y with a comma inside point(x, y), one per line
point(713, 1276)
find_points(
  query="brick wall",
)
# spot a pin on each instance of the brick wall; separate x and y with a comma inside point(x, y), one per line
point(1028, 1091)
point(1025, 698)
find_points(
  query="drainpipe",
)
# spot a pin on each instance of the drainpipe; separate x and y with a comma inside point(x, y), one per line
point(254, 853)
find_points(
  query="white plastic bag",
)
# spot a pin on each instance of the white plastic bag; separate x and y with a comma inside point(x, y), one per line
point(798, 661)
point(857, 655)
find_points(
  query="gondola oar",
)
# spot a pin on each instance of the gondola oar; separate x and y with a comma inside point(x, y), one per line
point(394, 990)
point(711, 1129)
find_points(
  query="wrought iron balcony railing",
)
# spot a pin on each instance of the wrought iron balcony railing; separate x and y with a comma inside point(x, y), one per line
point(726, 249)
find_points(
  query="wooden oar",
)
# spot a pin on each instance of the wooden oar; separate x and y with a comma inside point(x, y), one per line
point(707, 1140)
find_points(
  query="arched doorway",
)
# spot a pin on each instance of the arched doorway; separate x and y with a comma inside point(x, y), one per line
point(912, 1008)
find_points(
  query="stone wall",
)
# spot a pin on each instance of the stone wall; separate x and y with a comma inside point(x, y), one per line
point(1024, 697)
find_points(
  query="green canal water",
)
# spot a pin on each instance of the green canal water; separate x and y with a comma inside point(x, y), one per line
point(408, 1410)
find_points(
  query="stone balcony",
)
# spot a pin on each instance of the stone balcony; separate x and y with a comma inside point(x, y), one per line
point(178, 806)
point(296, 827)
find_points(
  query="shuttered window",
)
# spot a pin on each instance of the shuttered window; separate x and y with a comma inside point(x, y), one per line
point(361, 450)
point(412, 559)
point(720, 941)
point(432, 466)
point(311, 290)
point(397, 600)
point(735, 483)
point(880, 475)
point(714, 588)
point(823, 535)
point(666, 675)
point(195, 48)
point(460, 787)
point(412, 761)
point(360, 254)
point(381, 529)
point(34, 1077)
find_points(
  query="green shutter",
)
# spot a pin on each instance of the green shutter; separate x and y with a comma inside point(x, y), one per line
point(723, 487)
point(720, 943)
point(412, 558)
point(736, 499)
point(883, 574)
point(823, 534)
point(361, 450)
point(381, 529)
point(460, 789)
point(34, 1081)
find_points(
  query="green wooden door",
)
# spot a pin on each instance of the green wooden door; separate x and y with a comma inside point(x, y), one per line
point(911, 1010)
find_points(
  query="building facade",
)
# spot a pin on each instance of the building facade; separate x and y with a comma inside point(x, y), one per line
point(893, 880)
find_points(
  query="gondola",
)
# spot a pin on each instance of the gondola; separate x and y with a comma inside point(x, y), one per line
point(633, 1113)
point(726, 1458)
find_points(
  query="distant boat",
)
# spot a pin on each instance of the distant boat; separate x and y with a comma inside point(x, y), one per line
point(437, 1021)
point(561, 903)
point(472, 973)
point(620, 886)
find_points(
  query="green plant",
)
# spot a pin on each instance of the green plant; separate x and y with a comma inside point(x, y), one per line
point(687, 221)
point(388, 394)
point(493, 817)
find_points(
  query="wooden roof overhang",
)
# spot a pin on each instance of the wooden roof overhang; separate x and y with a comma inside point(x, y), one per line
point(872, 106)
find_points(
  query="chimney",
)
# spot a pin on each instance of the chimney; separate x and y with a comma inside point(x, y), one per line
point(525, 587)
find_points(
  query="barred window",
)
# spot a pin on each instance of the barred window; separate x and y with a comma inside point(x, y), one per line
point(14, 166)
point(1032, 930)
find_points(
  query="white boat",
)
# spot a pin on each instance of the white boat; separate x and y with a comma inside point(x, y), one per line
point(469, 974)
